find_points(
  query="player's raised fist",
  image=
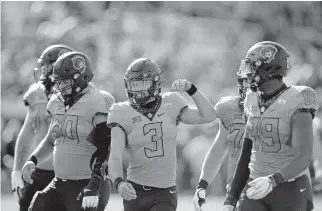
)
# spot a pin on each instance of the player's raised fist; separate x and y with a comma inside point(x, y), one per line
point(127, 191)
point(181, 85)
point(27, 170)
point(199, 199)
point(16, 183)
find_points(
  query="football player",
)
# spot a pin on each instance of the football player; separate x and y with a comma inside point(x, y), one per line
point(35, 128)
point(277, 146)
point(78, 128)
point(146, 126)
point(228, 142)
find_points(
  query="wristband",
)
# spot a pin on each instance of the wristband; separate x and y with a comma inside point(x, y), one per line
point(230, 200)
point(192, 90)
point(203, 184)
point(95, 182)
point(118, 181)
point(33, 159)
point(276, 178)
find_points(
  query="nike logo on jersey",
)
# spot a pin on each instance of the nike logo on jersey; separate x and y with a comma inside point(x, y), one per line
point(172, 191)
point(301, 190)
point(160, 114)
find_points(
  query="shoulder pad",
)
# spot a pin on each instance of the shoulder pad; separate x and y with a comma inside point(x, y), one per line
point(225, 104)
point(55, 106)
point(109, 100)
point(118, 112)
point(305, 98)
point(35, 95)
point(99, 101)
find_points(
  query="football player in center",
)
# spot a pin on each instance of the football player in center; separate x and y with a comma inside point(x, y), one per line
point(77, 131)
point(146, 126)
point(277, 146)
point(228, 141)
point(35, 128)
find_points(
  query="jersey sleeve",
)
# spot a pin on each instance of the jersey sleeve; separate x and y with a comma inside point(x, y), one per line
point(225, 107)
point(101, 105)
point(219, 107)
point(104, 104)
point(306, 101)
point(116, 117)
point(35, 95)
point(178, 104)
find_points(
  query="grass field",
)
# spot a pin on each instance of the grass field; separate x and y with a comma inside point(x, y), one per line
point(184, 203)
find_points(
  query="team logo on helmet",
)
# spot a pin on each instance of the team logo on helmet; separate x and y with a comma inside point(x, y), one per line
point(268, 52)
point(79, 63)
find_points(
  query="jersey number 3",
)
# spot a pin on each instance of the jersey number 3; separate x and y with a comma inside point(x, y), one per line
point(154, 131)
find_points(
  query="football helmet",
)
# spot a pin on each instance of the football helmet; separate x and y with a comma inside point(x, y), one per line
point(72, 74)
point(46, 62)
point(263, 61)
point(143, 79)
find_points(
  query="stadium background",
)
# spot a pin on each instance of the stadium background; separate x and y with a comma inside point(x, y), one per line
point(200, 41)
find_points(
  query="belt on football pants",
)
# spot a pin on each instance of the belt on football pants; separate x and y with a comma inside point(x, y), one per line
point(146, 187)
point(70, 180)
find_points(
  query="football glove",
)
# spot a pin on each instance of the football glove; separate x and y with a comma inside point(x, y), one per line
point(90, 193)
point(27, 170)
point(260, 187)
point(199, 199)
point(181, 85)
point(16, 184)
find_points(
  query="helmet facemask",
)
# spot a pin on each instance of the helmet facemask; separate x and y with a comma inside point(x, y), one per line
point(67, 89)
point(142, 90)
point(247, 76)
point(43, 72)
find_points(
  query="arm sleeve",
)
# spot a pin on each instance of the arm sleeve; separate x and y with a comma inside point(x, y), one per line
point(241, 174)
point(100, 137)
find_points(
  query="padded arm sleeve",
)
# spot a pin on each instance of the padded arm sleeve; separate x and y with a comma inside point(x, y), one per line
point(101, 138)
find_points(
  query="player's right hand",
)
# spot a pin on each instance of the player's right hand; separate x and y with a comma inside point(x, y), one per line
point(27, 170)
point(228, 208)
point(126, 190)
point(16, 184)
point(199, 199)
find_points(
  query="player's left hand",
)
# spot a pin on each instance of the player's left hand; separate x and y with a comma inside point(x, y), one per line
point(90, 193)
point(199, 199)
point(181, 85)
point(260, 187)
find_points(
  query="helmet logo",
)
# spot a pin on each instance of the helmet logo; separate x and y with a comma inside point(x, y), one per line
point(268, 52)
point(79, 63)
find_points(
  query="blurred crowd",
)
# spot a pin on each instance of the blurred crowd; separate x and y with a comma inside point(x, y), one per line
point(200, 41)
